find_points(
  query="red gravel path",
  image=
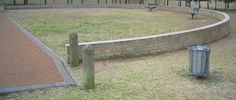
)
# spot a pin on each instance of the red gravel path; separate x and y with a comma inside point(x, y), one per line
point(21, 61)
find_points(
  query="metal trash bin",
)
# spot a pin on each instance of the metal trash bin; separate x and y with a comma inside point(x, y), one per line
point(199, 60)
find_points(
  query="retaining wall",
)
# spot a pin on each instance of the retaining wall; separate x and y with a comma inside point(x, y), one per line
point(151, 44)
point(61, 2)
point(14, 7)
point(165, 42)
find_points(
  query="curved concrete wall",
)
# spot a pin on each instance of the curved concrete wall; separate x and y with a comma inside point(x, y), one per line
point(156, 43)
point(165, 42)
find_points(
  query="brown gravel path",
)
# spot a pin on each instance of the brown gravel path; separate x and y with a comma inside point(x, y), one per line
point(21, 61)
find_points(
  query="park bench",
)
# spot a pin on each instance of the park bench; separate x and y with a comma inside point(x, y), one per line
point(151, 6)
point(2, 6)
point(194, 11)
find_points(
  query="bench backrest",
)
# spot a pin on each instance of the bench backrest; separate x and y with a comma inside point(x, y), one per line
point(195, 10)
point(152, 4)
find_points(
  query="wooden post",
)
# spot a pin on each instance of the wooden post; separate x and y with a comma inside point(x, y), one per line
point(73, 50)
point(88, 67)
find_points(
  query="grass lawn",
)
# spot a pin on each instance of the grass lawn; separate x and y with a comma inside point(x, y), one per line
point(163, 77)
point(52, 26)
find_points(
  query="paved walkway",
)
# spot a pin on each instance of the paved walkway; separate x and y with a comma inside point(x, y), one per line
point(25, 63)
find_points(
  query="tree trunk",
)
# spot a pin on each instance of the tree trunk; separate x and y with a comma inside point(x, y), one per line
point(199, 4)
point(25, 2)
point(215, 4)
point(228, 4)
point(167, 2)
point(208, 4)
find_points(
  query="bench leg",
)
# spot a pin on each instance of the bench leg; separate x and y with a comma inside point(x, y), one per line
point(150, 9)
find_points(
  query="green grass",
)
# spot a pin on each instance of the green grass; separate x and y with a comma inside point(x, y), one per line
point(52, 26)
point(163, 77)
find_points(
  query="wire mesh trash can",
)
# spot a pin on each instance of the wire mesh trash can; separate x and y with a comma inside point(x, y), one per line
point(199, 60)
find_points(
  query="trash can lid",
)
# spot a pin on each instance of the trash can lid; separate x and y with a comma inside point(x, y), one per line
point(197, 47)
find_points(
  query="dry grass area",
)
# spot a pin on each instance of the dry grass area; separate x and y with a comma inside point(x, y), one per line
point(163, 77)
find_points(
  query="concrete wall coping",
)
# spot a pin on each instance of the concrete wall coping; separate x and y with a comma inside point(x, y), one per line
point(226, 18)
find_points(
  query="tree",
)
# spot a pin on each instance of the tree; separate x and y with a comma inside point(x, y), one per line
point(141, 2)
point(215, 4)
point(25, 2)
point(126, 1)
point(69, 1)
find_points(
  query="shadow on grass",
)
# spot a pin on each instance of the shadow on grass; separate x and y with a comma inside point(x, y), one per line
point(212, 79)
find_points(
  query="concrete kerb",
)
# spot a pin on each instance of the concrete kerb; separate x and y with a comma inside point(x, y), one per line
point(207, 30)
point(67, 79)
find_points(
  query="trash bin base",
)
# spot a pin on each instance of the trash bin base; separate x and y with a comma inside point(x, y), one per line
point(199, 76)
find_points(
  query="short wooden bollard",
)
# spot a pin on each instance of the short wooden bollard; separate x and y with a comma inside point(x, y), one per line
point(88, 67)
point(73, 55)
